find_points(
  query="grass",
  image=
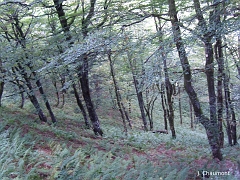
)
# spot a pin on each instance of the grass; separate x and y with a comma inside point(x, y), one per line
point(67, 150)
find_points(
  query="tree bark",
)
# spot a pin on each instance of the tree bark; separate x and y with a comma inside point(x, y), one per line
point(1, 91)
point(149, 108)
point(57, 93)
point(62, 18)
point(209, 70)
point(83, 74)
point(165, 111)
point(238, 62)
point(80, 105)
point(169, 91)
point(220, 61)
point(117, 93)
point(1, 82)
point(230, 113)
point(210, 126)
point(31, 93)
point(180, 104)
point(39, 85)
point(139, 95)
point(191, 114)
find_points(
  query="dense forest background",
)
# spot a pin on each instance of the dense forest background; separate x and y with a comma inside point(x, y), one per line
point(119, 89)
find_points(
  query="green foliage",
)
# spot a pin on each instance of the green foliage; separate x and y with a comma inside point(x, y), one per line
point(17, 161)
point(107, 166)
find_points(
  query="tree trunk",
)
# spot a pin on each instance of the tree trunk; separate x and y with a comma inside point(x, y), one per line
point(57, 93)
point(126, 115)
point(39, 85)
point(83, 75)
point(1, 91)
point(170, 105)
point(149, 108)
point(1, 82)
point(63, 91)
point(165, 111)
point(169, 91)
point(169, 87)
point(80, 105)
point(220, 61)
point(230, 113)
point(209, 70)
point(62, 18)
point(238, 62)
point(191, 114)
point(117, 93)
point(139, 95)
point(22, 100)
point(180, 104)
point(30, 92)
point(83, 68)
point(211, 127)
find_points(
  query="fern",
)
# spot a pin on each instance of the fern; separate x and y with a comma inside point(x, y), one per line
point(17, 161)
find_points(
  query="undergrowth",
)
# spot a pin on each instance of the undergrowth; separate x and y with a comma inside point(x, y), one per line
point(33, 150)
point(16, 160)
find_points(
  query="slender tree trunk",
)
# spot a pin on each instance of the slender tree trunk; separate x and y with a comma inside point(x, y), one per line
point(219, 58)
point(80, 105)
point(238, 62)
point(169, 88)
point(233, 125)
point(211, 128)
point(151, 111)
point(118, 95)
point(40, 88)
point(169, 91)
point(129, 101)
point(141, 104)
point(30, 92)
point(21, 89)
point(22, 100)
point(1, 91)
point(57, 93)
point(114, 105)
point(191, 113)
point(121, 106)
point(180, 104)
point(34, 101)
point(126, 115)
point(230, 113)
point(165, 111)
point(39, 84)
point(139, 96)
point(171, 111)
point(63, 91)
point(1, 82)
point(149, 108)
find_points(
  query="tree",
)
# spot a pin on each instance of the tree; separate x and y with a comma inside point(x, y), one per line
point(16, 31)
point(120, 104)
point(210, 126)
point(1, 81)
point(138, 85)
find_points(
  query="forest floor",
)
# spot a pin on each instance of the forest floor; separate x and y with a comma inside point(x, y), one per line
point(189, 153)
